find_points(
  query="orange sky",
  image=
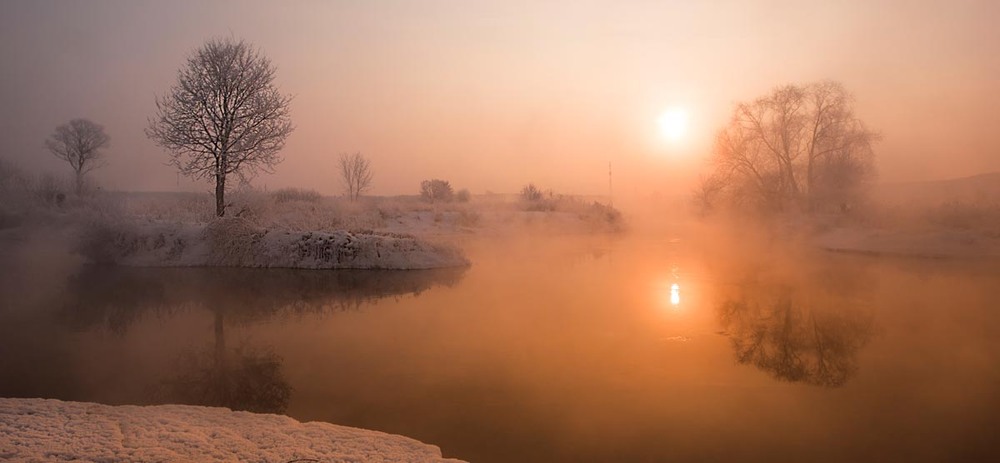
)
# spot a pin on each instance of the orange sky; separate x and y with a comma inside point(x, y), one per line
point(492, 95)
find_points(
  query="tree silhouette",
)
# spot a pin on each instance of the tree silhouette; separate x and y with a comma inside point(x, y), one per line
point(356, 172)
point(79, 143)
point(800, 145)
point(224, 116)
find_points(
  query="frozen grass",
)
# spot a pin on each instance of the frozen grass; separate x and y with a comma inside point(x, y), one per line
point(267, 229)
point(304, 210)
point(235, 242)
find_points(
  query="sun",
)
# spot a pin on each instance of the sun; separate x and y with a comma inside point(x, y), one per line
point(674, 123)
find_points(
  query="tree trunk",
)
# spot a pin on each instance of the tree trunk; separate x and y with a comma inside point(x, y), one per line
point(220, 195)
point(79, 183)
point(810, 201)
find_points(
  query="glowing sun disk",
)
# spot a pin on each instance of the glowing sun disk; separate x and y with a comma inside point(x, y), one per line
point(673, 123)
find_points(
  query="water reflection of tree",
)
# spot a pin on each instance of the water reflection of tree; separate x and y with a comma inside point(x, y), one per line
point(241, 378)
point(798, 336)
point(117, 297)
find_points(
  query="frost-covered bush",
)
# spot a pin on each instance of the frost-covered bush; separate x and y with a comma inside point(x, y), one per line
point(468, 218)
point(105, 241)
point(531, 193)
point(51, 190)
point(174, 207)
point(233, 241)
point(14, 193)
point(285, 195)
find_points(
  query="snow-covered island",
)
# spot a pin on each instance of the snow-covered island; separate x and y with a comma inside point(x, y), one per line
point(34, 430)
point(234, 242)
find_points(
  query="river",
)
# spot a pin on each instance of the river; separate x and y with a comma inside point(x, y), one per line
point(631, 348)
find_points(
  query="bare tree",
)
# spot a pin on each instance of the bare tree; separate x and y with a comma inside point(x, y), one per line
point(79, 143)
point(799, 145)
point(356, 171)
point(223, 116)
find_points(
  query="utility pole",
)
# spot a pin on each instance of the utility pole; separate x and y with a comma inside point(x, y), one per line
point(611, 201)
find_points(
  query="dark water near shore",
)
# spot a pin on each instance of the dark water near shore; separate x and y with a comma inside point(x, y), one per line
point(603, 349)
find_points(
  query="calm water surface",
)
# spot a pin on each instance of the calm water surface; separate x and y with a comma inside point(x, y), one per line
point(602, 349)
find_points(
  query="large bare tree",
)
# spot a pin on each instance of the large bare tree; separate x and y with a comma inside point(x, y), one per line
point(800, 145)
point(79, 143)
point(224, 116)
point(356, 172)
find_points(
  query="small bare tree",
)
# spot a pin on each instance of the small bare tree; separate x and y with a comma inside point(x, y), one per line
point(79, 143)
point(356, 171)
point(223, 116)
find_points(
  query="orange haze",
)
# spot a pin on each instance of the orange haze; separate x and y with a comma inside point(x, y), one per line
point(492, 95)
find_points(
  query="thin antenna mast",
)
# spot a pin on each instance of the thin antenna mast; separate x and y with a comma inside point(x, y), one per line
point(611, 201)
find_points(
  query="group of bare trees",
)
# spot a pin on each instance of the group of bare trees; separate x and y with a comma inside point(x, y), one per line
point(224, 116)
point(801, 146)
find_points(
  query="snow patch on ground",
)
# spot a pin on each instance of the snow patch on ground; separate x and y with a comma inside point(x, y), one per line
point(53, 430)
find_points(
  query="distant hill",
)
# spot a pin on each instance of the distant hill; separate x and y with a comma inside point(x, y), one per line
point(977, 188)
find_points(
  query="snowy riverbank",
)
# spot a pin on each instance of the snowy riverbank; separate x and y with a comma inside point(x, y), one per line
point(236, 243)
point(910, 243)
point(53, 430)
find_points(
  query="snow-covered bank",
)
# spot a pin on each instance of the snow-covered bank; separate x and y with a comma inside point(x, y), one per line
point(236, 243)
point(52, 430)
point(911, 243)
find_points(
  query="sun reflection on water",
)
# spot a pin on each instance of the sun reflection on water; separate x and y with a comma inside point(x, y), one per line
point(675, 294)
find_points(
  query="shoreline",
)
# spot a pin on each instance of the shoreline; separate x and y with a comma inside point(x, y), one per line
point(55, 430)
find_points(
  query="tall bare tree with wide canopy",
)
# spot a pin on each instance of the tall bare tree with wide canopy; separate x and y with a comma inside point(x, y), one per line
point(224, 116)
point(356, 171)
point(800, 146)
point(79, 142)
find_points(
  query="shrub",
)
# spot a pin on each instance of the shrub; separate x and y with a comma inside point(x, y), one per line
point(233, 241)
point(436, 190)
point(51, 189)
point(285, 195)
point(468, 218)
point(463, 195)
point(531, 193)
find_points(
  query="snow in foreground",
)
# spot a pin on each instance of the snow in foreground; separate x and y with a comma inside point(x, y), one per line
point(52, 430)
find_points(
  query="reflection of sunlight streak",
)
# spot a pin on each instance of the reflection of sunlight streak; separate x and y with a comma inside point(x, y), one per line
point(675, 294)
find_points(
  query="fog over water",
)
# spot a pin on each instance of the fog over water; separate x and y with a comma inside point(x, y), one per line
point(583, 349)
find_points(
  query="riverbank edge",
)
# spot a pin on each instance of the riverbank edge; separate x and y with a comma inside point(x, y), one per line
point(233, 242)
point(55, 430)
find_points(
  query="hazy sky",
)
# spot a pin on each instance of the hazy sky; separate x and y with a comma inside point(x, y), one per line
point(491, 95)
